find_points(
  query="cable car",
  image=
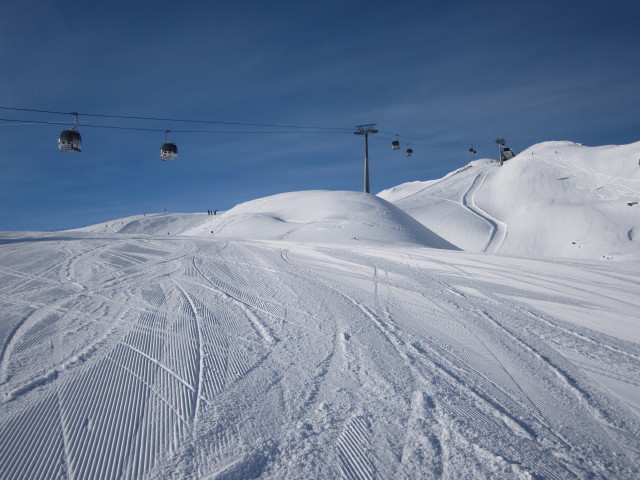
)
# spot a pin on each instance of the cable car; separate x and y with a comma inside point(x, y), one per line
point(473, 151)
point(169, 150)
point(409, 152)
point(507, 153)
point(70, 140)
point(395, 145)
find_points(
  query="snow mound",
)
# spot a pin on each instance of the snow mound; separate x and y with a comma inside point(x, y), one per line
point(321, 217)
point(555, 199)
point(153, 224)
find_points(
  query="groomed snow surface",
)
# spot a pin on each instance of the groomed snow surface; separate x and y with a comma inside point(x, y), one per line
point(484, 325)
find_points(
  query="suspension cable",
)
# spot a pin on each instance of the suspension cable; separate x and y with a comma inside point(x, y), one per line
point(179, 120)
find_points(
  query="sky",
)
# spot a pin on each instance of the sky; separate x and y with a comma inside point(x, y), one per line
point(439, 78)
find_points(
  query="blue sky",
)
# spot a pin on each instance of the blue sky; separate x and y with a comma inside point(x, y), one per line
point(443, 76)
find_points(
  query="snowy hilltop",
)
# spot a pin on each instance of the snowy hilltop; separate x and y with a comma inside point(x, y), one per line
point(555, 199)
point(309, 216)
point(483, 325)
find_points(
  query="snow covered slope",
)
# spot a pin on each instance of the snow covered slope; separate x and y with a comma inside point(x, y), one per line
point(555, 199)
point(322, 217)
point(157, 356)
point(153, 224)
point(310, 216)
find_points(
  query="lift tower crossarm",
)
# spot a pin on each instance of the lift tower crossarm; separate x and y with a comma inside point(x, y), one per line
point(366, 130)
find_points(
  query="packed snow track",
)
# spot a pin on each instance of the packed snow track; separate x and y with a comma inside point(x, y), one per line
point(133, 356)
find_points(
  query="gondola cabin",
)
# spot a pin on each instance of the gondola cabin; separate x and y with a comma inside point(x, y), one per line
point(70, 141)
point(409, 152)
point(395, 145)
point(169, 151)
point(506, 153)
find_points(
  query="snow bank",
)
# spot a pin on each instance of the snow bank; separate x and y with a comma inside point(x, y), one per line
point(321, 217)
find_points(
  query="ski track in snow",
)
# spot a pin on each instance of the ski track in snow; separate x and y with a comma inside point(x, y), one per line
point(148, 357)
point(604, 186)
point(499, 229)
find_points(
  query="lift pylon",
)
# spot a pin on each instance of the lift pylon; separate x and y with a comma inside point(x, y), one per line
point(366, 130)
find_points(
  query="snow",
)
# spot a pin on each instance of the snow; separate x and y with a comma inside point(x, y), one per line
point(309, 216)
point(483, 325)
point(555, 199)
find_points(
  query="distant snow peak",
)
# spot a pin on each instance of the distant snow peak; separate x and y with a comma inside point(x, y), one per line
point(537, 203)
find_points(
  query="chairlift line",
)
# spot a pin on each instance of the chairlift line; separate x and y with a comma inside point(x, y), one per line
point(177, 120)
point(139, 129)
point(183, 120)
point(70, 140)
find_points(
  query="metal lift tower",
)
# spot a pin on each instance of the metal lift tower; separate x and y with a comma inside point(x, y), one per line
point(366, 130)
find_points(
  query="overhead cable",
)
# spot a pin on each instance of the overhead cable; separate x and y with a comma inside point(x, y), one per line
point(178, 120)
point(90, 125)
